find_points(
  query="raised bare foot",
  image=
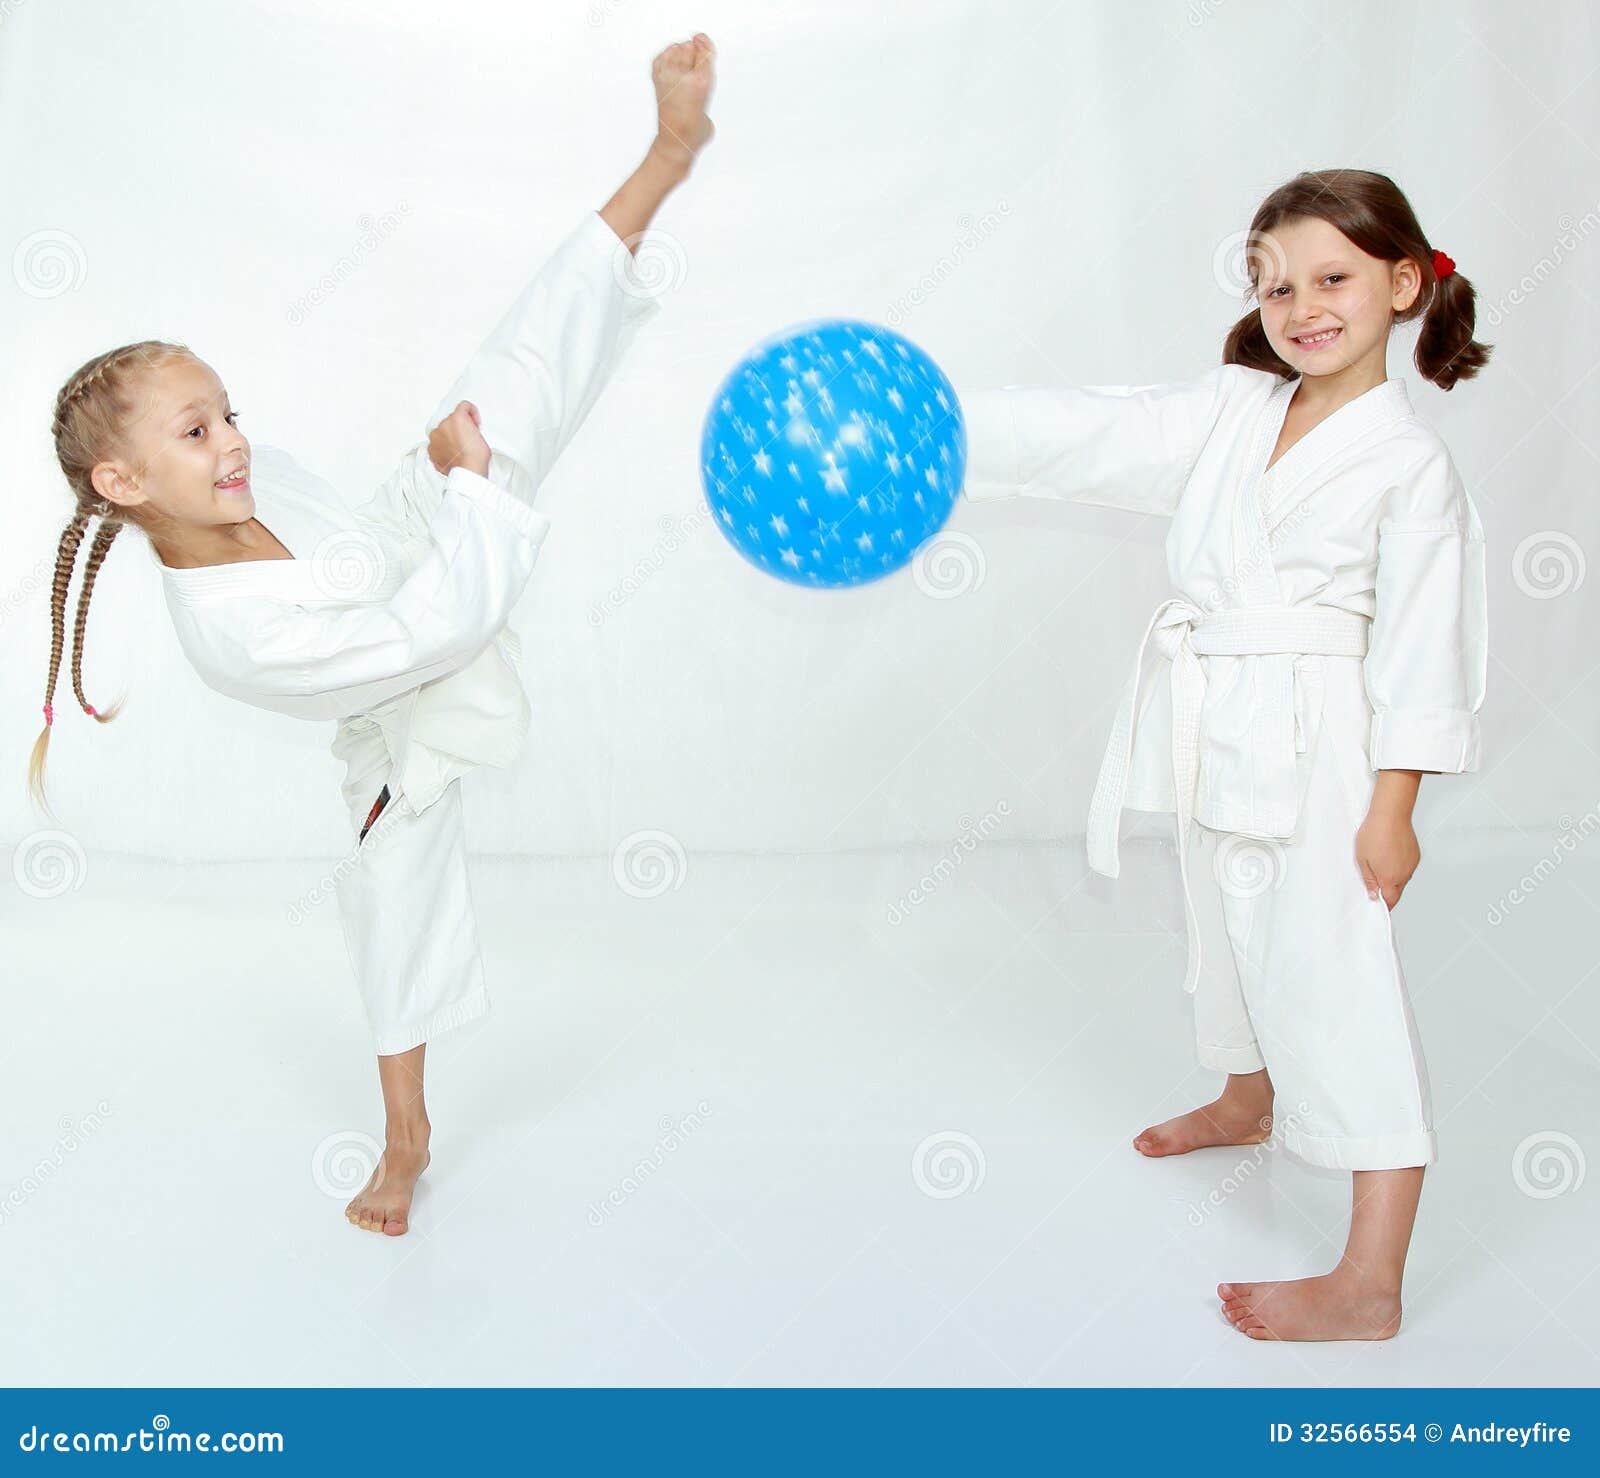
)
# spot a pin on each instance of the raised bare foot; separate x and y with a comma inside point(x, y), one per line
point(1343, 1304)
point(1223, 1122)
point(383, 1204)
point(684, 75)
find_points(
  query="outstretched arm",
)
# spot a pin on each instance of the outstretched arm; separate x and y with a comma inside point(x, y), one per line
point(684, 75)
point(1120, 446)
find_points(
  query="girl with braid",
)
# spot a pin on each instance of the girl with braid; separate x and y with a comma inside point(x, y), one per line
point(388, 618)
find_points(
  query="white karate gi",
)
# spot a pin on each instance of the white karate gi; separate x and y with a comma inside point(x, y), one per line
point(392, 619)
point(1327, 620)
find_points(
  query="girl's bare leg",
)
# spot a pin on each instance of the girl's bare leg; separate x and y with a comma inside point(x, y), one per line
point(684, 75)
point(1360, 1298)
point(384, 1203)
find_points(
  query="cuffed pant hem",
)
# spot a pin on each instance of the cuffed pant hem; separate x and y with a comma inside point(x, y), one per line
point(404, 1038)
point(1230, 1059)
point(1379, 1152)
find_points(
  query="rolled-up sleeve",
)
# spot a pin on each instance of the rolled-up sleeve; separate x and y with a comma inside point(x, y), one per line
point(1119, 446)
point(319, 662)
point(1426, 664)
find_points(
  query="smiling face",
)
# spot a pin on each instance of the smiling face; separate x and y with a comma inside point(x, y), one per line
point(1326, 305)
point(187, 468)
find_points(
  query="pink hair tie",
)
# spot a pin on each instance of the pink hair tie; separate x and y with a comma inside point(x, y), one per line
point(88, 708)
point(49, 717)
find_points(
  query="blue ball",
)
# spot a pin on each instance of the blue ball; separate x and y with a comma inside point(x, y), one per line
point(832, 451)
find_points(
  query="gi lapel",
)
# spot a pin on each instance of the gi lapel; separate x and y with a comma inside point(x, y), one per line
point(1271, 791)
point(1254, 575)
point(1294, 475)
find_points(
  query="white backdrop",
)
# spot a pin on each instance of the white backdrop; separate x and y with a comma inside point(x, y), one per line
point(1033, 191)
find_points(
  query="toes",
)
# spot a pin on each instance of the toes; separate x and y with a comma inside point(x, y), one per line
point(395, 1226)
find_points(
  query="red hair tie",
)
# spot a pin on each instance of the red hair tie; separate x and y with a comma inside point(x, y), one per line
point(49, 717)
point(1443, 266)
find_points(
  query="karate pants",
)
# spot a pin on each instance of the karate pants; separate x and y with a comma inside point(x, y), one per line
point(405, 903)
point(1299, 971)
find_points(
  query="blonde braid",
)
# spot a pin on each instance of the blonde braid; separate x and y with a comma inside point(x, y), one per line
point(97, 553)
point(92, 411)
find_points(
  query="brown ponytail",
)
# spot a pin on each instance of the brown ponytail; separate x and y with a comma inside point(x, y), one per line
point(1374, 213)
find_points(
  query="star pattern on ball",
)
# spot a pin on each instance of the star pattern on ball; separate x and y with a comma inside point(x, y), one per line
point(832, 452)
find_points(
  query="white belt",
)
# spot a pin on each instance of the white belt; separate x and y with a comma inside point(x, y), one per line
point(1182, 632)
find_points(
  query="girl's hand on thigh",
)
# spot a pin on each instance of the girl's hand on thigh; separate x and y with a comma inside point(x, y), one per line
point(1388, 853)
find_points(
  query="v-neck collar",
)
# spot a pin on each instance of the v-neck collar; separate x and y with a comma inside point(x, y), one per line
point(1265, 498)
point(1382, 403)
point(291, 578)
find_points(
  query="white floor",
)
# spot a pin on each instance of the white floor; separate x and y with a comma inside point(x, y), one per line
point(177, 1052)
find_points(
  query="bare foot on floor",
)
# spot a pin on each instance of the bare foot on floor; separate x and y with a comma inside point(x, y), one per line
point(1221, 1122)
point(1338, 1305)
point(383, 1204)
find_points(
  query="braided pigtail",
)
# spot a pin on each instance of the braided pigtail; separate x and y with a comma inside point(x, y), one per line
point(66, 558)
point(92, 411)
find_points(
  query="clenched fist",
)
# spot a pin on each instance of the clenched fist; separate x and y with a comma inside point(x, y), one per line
point(457, 442)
